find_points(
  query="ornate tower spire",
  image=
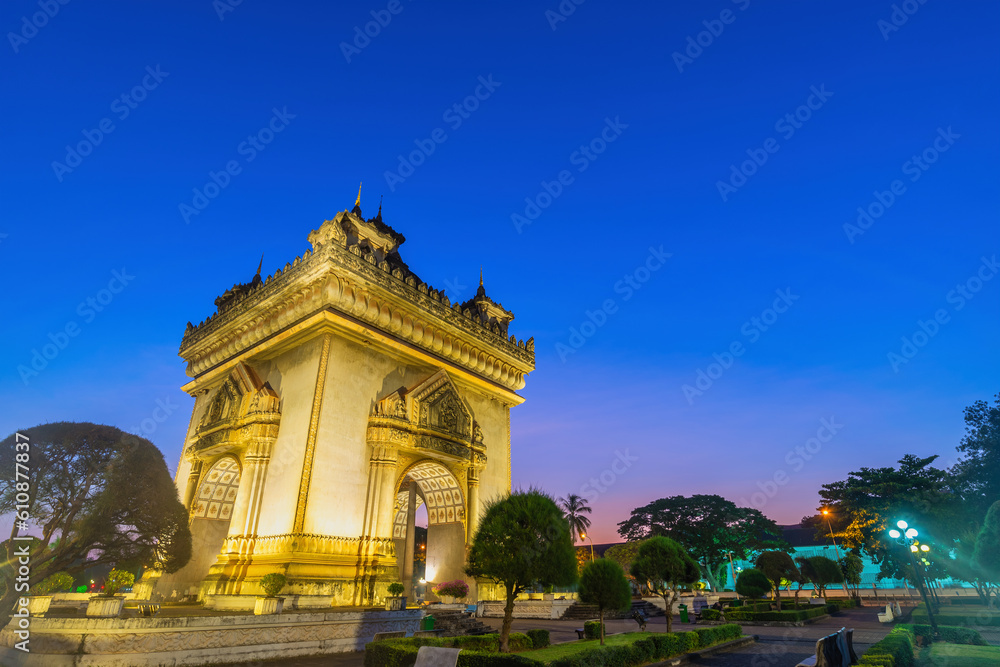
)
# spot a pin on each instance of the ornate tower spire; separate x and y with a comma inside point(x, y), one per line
point(261, 265)
point(357, 202)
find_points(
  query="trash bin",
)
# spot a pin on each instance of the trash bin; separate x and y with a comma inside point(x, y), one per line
point(684, 613)
point(427, 623)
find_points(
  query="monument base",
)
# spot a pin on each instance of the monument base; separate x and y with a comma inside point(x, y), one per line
point(197, 640)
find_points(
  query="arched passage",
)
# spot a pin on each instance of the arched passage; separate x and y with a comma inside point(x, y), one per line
point(432, 484)
point(211, 514)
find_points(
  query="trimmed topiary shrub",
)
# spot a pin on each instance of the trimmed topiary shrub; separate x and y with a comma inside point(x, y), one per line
point(592, 630)
point(895, 650)
point(717, 635)
point(539, 638)
point(272, 584)
point(711, 614)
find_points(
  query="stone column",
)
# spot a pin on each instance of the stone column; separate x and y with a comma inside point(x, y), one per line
point(472, 515)
point(411, 520)
point(192, 484)
point(246, 508)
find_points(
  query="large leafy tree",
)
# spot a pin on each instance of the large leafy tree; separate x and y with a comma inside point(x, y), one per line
point(665, 566)
point(870, 500)
point(709, 527)
point(978, 473)
point(624, 554)
point(523, 539)
point(575, 507)
point(94, 495)
point(752, 583)
point(821, 571)
point(780, 570)
point(852, 566)
point(603, 583)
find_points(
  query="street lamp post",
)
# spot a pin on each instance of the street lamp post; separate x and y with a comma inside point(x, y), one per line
point(836, 550)
point(587, 537)
point(907, 539)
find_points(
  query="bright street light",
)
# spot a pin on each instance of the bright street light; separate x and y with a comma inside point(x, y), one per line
point(911, 533)
point(894, 534)
point(902, 524)
point(907, 539)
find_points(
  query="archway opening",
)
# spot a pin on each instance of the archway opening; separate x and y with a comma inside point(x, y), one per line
point(211, 513)
point(435, 491)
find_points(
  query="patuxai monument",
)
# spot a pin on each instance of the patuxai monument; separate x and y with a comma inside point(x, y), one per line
point(332, 399)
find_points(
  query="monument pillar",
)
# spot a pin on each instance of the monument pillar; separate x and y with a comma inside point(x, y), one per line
point(192, 483)
point(410, 542)
point(472, 515)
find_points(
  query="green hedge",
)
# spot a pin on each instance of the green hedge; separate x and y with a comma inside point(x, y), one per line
point(949, 633)
point(895, 650)
point(657, 646)
point(711, 614)
point(788, 616)
point(539, 638)
point(475, 649)
point(974, 617)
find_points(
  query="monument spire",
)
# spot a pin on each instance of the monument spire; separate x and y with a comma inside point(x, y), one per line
point(261, 265)
point(357, 202)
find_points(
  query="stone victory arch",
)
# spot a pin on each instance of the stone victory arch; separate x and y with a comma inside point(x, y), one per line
point(331, 400)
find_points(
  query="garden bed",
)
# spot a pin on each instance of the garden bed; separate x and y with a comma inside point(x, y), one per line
point(625, 650)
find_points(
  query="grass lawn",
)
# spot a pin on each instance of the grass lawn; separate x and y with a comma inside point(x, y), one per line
point(557, 651)
point(959, 655)
point(971, 615)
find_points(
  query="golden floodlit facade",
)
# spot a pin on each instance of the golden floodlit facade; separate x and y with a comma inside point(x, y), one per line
point(331, 400)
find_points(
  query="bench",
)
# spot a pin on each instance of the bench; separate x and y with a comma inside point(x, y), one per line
point(887, 616)
point(379, 636)
point(836, 650)
point(639, 616)
point(433, 656)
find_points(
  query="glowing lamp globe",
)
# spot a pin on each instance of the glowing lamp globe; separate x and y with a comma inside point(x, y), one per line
point(902, 524)
point(894, 534)
point(911, 533)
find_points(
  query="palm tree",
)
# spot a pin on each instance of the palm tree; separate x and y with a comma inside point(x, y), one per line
point(574, 507)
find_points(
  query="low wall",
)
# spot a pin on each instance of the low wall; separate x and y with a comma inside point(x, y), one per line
point(548, 609)
point(197, 640)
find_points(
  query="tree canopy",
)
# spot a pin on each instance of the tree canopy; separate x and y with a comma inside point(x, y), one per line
point(872, 499)
point(780, 569)
point(987, 553)
point(708, 526)
point(978, 472)
point(523, 539)
point(603, 583)
point(97, 496)
point(821, 571)
point(574, 507)
point(752, 583)
point(665, 566)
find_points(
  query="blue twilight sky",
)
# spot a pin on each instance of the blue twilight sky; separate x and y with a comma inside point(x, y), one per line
point(823, 107)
